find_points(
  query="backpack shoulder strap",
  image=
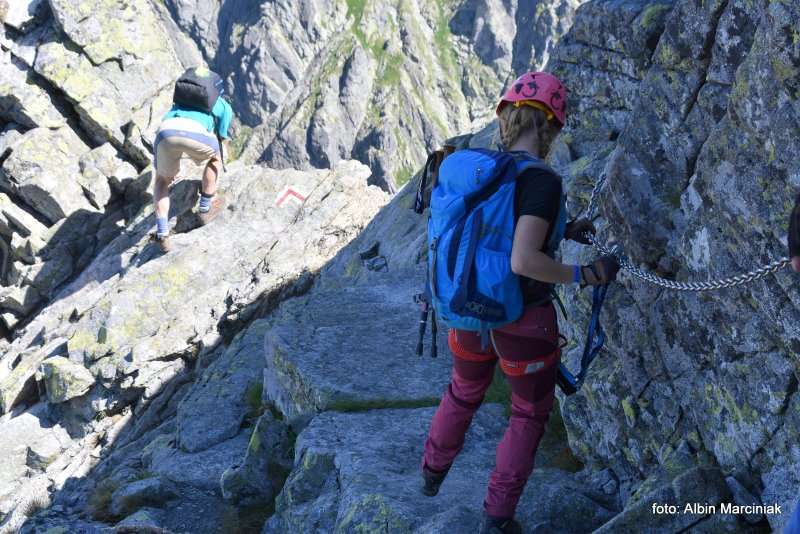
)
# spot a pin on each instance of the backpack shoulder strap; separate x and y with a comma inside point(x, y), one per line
point(430, 174)
point(526, 162)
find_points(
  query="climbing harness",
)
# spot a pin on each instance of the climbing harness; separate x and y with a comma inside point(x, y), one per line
point(711, 285)
point(595, 338)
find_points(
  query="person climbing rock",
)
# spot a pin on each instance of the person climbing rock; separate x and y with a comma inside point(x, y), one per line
point(531, 114)
point(794, 235)
point(196, 126)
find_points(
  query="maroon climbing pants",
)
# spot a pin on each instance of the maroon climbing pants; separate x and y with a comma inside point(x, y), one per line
point(528, 353)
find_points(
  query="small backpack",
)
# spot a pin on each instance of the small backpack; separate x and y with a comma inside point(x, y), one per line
point(470, 234)
point(198, 88)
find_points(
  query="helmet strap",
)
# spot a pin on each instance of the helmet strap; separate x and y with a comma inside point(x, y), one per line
point(537, 105)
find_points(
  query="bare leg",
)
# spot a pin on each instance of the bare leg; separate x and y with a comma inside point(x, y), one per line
point(210, 176)
point(161, 195)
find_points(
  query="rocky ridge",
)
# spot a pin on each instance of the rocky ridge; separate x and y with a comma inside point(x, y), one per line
point(380, 82)
point(105, 384)
point(138, 332)
point(676, 114)
point(82, 88)
point(691, 112)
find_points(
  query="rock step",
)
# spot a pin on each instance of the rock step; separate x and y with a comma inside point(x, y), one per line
point(360, 472)
point(328, 351)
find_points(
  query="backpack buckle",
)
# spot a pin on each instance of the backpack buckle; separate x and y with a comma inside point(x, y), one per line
point(475, 307)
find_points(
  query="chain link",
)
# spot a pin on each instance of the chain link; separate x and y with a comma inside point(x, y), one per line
point(711, 285)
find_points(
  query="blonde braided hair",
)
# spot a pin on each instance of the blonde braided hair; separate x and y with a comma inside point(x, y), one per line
point(514, 121)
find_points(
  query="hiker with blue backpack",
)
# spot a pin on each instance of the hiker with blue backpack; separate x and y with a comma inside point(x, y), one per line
point(496, 221)
point(196, 126)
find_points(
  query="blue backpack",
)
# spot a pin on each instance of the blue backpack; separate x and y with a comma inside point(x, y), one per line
point(470, 235)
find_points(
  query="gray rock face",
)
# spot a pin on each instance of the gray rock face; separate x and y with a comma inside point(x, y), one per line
point(202, 470)
point(319, 348)
point(40, 171)
point(382, 83)
point(64, 380)
point(22, 14)
point(144, 521)
point(228, 391)
point(690, 109)
point(360, 471)
point(704, 486)
point(146, 491)
point(25, 103)
point(135, 325)
point(31, 443)
point(264, 468)
point(121, 65)
point(686, 108)
point(82, 89)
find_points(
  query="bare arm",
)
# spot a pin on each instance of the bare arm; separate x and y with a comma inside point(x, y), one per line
point(527, 259)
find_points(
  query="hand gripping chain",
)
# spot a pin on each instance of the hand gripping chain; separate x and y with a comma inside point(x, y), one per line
point(711, 285)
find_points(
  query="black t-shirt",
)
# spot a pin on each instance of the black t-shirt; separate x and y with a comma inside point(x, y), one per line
point(538, 193)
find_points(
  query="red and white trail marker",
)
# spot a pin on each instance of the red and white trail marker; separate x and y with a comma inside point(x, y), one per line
point(290, 193)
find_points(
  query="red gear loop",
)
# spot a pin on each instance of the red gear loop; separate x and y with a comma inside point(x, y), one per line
point(509, 367)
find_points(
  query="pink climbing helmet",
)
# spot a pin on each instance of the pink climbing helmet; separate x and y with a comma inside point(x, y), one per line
point(540, 87)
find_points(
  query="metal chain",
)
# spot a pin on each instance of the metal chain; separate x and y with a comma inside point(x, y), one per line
point(711, 285)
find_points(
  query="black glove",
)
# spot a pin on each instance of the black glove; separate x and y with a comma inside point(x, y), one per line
point(602, 271)
point(794, 229)
point(576, 229)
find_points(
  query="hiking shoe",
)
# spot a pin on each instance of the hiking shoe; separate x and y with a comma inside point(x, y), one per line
point(433, 480)
point(494, 525)
point(217, 205)
point(163, 243)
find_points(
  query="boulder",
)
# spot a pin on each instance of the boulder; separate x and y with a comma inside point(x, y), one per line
point(122, 60)
point(30, 442)
point(694, 494)
point(360, 471)
point(327, 352)
point(144, 521)
point(228, 391)
point(148, 491)
point(22, 14)
point(262, 472)
point(64, 380)
point(22, 100)
point(201, 470)
point(105, 162)
point(18, 300)
point(743, 497)
point(9, 136)
point(15, 220)
point(42, 170)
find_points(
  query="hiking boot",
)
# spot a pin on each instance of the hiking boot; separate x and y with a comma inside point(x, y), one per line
point(217, 205)
point(433, 480)
point(163, 243)
point(494, 525)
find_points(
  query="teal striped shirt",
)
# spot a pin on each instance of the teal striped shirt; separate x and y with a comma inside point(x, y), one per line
point(222, 112)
